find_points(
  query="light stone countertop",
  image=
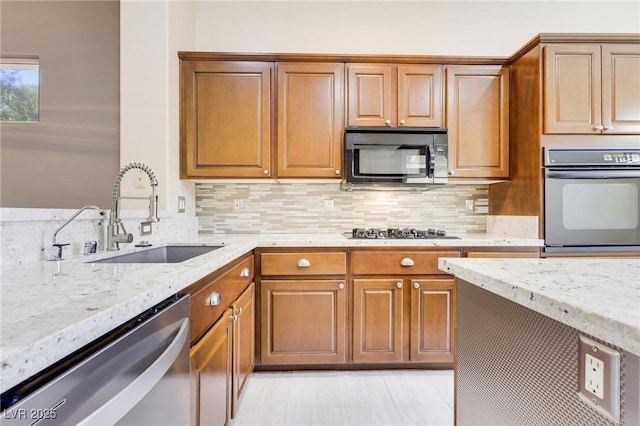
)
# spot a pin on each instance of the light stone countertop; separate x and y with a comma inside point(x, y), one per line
point(600, 297)
point(51, 309)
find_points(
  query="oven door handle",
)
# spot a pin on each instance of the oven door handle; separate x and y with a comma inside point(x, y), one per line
point(592, 174)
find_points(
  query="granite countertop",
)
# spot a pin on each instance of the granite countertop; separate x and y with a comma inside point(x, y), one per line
point(600, 297)
point(51, 309)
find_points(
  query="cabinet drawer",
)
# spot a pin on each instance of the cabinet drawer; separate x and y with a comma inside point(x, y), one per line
point(316, 263)
point(205, 309)
point(398, 262)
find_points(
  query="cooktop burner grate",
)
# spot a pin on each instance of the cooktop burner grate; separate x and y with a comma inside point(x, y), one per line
point(398, 233)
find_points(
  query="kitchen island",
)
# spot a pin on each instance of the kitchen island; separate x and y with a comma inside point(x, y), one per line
point(519, 322)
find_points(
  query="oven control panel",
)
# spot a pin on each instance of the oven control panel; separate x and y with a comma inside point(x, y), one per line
point(621, 157)
point(591, 157)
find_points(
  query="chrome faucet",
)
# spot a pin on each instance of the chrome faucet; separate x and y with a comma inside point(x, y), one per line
point(114, 234)
point(58, 255)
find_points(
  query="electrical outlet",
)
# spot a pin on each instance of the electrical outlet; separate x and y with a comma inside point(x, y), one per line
point(141, 179)
point(328, 206)
point(599, 377)
point(181, 205)
point(469, 206)
point(594, 376)
point(237, 205)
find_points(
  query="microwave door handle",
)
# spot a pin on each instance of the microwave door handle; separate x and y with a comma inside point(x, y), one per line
point(592, 174)
point(431, 162)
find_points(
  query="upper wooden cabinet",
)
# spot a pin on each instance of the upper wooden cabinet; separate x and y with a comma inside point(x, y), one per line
point(225, 119)
point(478, 121)
point(394, 95)
point(310, 119)
point(592, 88)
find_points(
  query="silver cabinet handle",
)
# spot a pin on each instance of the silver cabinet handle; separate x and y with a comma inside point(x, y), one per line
point(607, 128)
point(387, 122)
point(341, 286)
point(238, 310)
point(416, 285)
point(598, 128)
point(233, 317)
point(407, 261)
point(399, 284)
point(402, 122)
point(117, 407)
point(214, 299)
point(245, 272)
point(303, 263)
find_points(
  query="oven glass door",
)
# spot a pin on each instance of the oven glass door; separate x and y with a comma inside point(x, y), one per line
point(379, 162)
point(592, 211)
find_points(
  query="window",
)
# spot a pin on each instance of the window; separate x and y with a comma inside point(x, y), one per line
point(20, 90)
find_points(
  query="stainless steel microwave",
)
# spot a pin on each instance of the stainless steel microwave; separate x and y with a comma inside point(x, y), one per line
point(396, 156)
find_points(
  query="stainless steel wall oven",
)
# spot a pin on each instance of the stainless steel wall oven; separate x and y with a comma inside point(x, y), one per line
point(591, 199)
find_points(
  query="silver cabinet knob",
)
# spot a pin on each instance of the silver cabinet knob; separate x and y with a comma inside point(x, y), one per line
point(407, 261)
point(303, 263)
point(265, 172)
point(214, 299)
point(416, 285)
point(337, 172)
point(233, 317)
point(402, 122)
point(598, 128)
point(341, 286)
point(238, 310)
point(245, 272)
point(607, 128)
point(387, 122)
point(452, 172)
point(399, 284)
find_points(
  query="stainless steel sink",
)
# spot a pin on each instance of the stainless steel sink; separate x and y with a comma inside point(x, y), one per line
point(165, 254)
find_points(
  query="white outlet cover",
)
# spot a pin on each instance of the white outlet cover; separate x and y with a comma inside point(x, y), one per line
point(599, 377)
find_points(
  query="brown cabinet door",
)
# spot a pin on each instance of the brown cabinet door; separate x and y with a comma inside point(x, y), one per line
point(371, 95)
point(303, 321)
point(420, 95)
point(211, 374)
point(310, 119)
point(226, 119)
point(621, 88)
point(243, 343)
point(572, 89)
point(377, 320)
point(478, 121)
point(432, 320)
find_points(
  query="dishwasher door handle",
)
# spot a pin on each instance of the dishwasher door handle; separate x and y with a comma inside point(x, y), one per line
point(120, 404)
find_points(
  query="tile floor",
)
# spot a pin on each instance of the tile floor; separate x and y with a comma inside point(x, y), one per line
point(378, 397)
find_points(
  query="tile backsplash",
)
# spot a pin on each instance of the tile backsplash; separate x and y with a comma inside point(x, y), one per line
point(323, 207)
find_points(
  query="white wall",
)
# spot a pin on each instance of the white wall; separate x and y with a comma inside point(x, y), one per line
point(461, 28)
point(153, 31)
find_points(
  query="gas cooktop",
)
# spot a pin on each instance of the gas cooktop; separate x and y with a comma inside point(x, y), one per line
point(398, 233)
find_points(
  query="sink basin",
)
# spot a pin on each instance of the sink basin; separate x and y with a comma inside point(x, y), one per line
point(165, 254)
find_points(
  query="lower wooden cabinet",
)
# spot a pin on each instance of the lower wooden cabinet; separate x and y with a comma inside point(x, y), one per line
point(211, 374)
point(222, 341)
point(303, 321)
point(367, 306)
point(243, 344)
point(433, 319)
point(377, 320)
point(403, 307)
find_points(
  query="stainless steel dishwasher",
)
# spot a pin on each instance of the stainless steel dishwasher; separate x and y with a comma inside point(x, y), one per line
point(137, 375)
